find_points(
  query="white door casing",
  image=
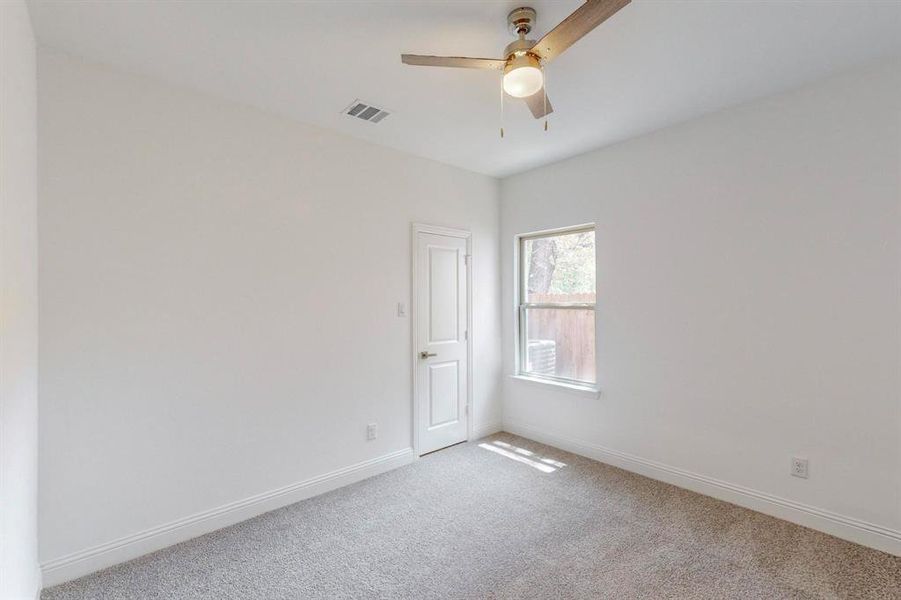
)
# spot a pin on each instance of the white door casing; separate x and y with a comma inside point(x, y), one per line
point(441, 338)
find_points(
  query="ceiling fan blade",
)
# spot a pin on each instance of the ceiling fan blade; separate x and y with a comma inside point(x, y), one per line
point(572, 28)
point(537, 104)
point(453, 61)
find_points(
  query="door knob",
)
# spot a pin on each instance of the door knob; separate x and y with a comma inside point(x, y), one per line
point(427, 354)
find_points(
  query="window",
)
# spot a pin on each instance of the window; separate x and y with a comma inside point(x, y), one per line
point(557, 293)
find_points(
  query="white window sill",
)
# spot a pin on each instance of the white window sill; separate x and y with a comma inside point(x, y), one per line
point(570, 388)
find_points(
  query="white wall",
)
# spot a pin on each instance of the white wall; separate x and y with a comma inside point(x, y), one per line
point(748, 308)
point(19, 574)
point(218, 301)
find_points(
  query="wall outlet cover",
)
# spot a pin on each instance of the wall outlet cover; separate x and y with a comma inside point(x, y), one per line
point(799, 467)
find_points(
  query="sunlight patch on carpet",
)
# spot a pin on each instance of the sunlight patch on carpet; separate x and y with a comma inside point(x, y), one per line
point(543, 464)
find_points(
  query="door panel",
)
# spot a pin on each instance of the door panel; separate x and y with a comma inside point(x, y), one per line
point(443, 281)
point(444, 393)
point(441, 345)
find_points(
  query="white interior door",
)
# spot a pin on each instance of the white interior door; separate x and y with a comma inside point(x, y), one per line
point(442, 340)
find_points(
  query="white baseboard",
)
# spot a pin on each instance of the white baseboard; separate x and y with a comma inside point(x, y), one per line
point(87, 561)
point(484, 429)
point(847, 528)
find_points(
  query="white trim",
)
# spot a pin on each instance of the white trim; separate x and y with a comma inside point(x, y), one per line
point(586, 391)
point(415, 230)
point(486, 429)
point(848, 528)
point(77, 564)
point(556, 230)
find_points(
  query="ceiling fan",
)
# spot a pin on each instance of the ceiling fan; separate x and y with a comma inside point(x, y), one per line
point(525, 59)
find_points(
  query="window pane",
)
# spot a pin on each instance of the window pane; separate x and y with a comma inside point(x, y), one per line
point(559, 342)
point(559, 268)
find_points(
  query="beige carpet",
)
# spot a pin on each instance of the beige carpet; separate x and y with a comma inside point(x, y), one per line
point(504, 518)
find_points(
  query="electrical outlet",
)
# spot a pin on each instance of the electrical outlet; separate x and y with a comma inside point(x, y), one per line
point(372, 431)
point(799, 467)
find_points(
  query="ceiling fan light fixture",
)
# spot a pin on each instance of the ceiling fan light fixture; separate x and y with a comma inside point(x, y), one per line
point(523, 76)
point(524, 59)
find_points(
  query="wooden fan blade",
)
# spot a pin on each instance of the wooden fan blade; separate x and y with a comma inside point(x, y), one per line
point(575, 26)
point(453, 61)
point(536, 103)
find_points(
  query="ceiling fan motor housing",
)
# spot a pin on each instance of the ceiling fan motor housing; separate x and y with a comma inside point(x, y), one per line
point(521, 20)
point(518, 48)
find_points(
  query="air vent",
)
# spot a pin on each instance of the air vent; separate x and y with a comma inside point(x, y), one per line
point(366, 112)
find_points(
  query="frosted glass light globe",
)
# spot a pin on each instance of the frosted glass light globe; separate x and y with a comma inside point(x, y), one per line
point(522, 76)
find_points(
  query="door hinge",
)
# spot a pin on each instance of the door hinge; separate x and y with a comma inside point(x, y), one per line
point(467, 259)
point(466, 335)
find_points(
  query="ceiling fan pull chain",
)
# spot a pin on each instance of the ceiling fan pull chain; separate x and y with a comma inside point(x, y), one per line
point(544, 91)
point(502, 108)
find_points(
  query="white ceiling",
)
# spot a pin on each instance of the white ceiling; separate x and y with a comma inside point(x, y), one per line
point(655, 63)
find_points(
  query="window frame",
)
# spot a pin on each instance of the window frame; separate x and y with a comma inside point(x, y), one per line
point(522, 306)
